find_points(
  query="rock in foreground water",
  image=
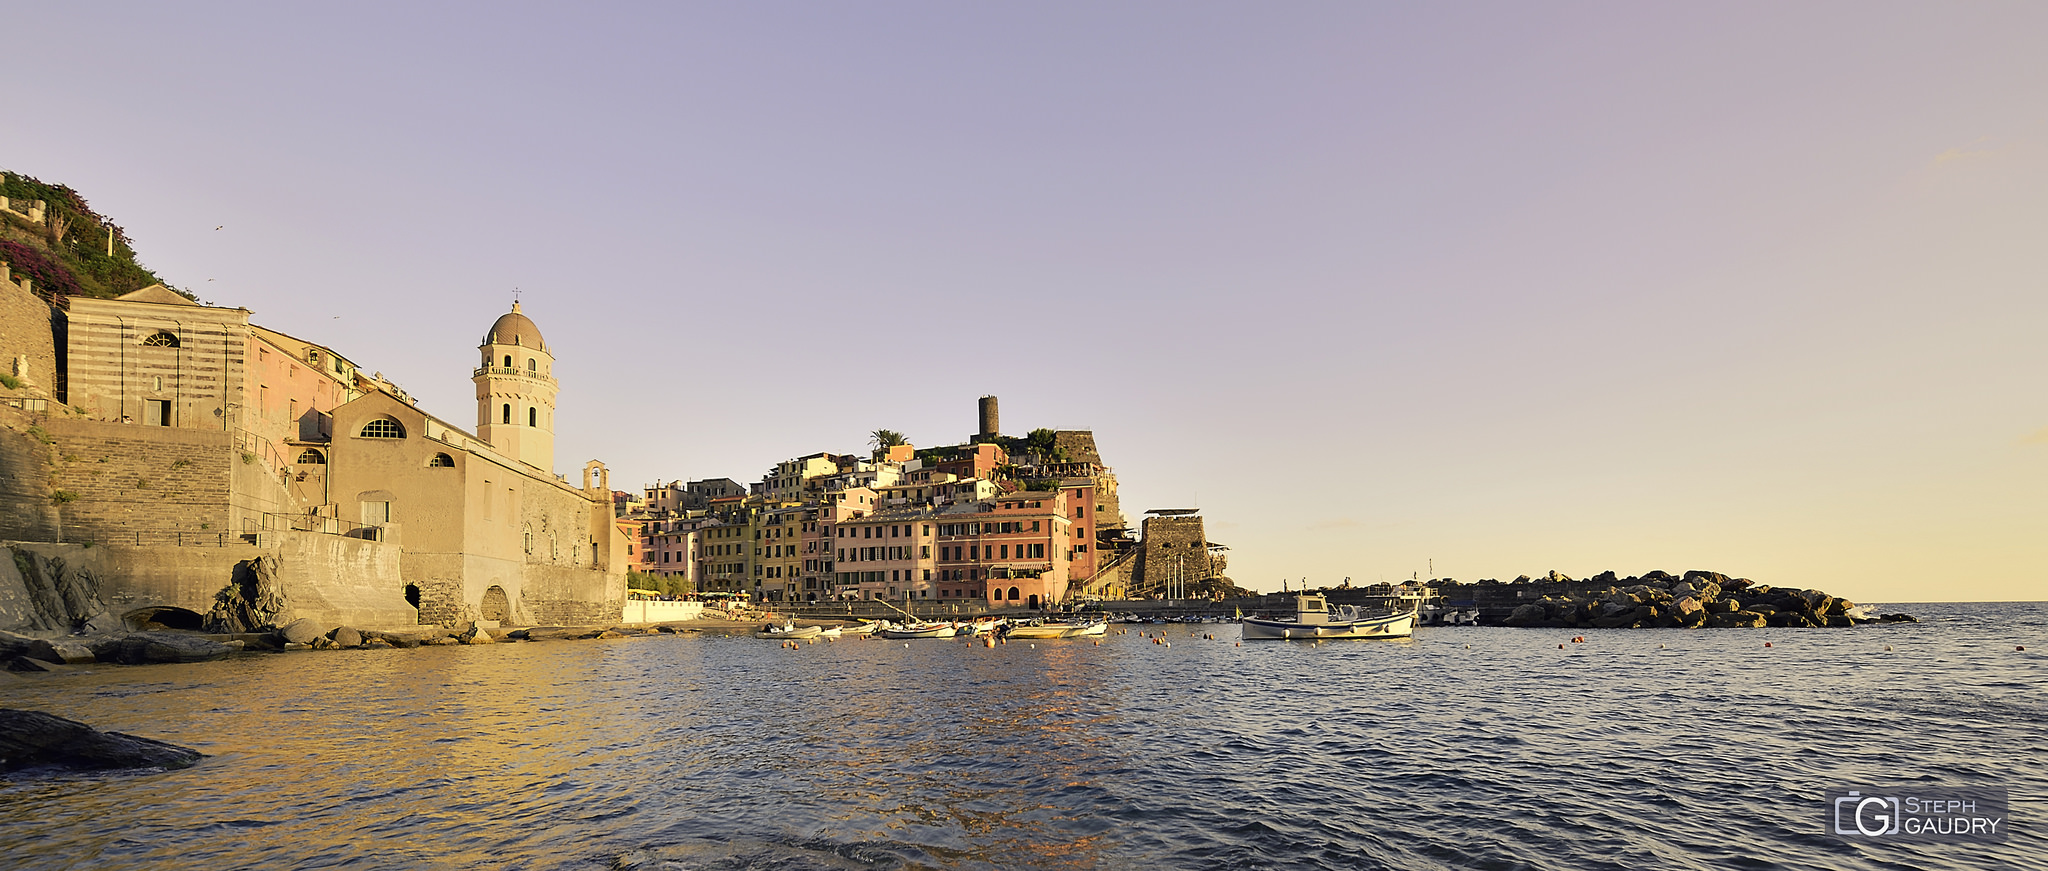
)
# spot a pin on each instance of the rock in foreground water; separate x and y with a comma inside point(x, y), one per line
point(30, 739)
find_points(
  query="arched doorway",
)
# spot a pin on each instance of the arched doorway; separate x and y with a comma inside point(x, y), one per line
point(495, 605)
point(412, 595)
point(1033, 604)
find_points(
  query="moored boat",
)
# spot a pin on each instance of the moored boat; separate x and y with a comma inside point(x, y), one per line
point(789, 631)
point(1056, 630)
point(920, 630)
point(1315, 620)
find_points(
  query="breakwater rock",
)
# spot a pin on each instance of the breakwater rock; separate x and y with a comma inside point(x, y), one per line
point(33, 739)
point(1698, 600)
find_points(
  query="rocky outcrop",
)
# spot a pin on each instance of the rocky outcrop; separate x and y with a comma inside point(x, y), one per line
point(45, 593)
point(33, 739)
point(1699, 599)
point(251, 602)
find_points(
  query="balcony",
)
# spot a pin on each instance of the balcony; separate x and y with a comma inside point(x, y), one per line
point(513, 371)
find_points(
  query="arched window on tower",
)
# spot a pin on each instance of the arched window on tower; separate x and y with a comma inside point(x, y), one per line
point(508, 361)
point(532, 365)
point(532, 416)
point(507, 414)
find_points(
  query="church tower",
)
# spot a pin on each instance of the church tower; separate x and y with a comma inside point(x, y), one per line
point(515, 391)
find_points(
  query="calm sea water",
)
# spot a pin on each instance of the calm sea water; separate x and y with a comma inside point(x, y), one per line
point(1463, 748)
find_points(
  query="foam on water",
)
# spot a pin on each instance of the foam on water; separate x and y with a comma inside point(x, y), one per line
point(1463, 748)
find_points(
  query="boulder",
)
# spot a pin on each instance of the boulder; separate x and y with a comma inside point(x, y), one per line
point(71, 652)
point(1693, 620)
point(1738, 620)
point(477, 635)
point(1722, 606)
point(1706, 576)
point(1687, 606)
point(1898, 618)
point(377, 644)
point(35, 739)
point(140, 648)
point(28, 664)
point(1615, 622)
point(303, 631)
point(440, 640)
point(347, 637)
point(609, 633)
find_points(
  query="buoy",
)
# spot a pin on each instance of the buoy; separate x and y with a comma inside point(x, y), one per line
point(1034, 647)
point(1887, 648)
point(1240, 644)
point(2019, 647)
point(906, 644)
point(1767, 644)
point(988, 642)
point(1560, 647)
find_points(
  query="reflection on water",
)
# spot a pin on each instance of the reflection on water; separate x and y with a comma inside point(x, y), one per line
point(1462, 747)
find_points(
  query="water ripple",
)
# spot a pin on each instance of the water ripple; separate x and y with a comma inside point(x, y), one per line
point(1465, 748)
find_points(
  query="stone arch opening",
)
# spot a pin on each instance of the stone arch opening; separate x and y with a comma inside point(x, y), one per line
point(163, 617)
point(412, 595)
point(495, 605)
point(1013, 594)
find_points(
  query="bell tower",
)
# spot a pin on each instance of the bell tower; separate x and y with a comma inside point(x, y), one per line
point(515, 391)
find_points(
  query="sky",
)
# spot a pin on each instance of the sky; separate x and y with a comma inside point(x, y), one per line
point(1385, 290)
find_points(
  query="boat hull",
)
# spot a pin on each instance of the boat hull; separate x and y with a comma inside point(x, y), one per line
point(797, 634)
point(1390, 626)
point(922, 632)
point(1056, 630)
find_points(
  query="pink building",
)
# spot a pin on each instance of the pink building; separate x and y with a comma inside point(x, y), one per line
point(1012, 551)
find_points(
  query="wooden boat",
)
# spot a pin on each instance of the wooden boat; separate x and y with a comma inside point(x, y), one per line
point(921, 630)
point(1314, 620)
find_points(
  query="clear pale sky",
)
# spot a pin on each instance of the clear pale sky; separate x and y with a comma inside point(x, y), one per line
point(1758, 288)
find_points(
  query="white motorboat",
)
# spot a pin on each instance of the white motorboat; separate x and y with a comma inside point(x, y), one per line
point(1056, 630)
point(1315, 620)
point(790, 631)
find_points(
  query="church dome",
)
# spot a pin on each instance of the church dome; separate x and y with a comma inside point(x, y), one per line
point(513, 328)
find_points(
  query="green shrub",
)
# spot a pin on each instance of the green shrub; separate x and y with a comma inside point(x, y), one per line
point(10, 382)
point(59, 497)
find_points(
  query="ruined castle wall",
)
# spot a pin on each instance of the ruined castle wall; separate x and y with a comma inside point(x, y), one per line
point(28, 348)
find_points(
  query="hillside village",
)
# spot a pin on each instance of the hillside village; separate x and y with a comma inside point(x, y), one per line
point(994, 520)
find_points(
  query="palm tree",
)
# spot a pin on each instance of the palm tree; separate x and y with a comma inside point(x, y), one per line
point(884, 439)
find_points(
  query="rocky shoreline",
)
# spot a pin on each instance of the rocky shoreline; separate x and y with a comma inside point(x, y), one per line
point(1697, 600)
point(29, 653)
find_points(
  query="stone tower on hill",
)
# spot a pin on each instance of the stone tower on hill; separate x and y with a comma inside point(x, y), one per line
point(515, 391)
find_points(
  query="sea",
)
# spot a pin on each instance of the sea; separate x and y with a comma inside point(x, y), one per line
point(1160, 747)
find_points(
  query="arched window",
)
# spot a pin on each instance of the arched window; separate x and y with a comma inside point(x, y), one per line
point(1013, 594)
point(532, 416)
point(383, 428)
point(310, 457)
point(506, 414)
point(162, 339)
point(441, 461)
point(531, 365)
point(508, 361)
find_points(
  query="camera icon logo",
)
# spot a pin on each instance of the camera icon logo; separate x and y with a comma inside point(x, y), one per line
point(1868, 815)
